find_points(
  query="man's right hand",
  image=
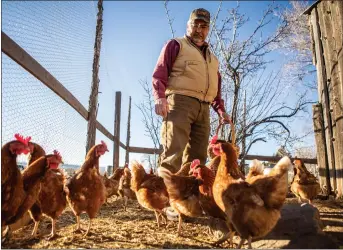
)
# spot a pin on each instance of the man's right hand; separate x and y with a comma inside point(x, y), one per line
point(161, 107)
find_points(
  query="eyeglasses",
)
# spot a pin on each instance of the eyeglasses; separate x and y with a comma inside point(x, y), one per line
point(201, 26)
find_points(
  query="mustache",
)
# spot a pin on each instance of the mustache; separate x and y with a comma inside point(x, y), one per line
point(197, 36)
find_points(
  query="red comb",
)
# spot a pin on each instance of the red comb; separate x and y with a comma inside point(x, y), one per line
point(214, 139)
point(195, 163)
point(22, 139)
point(57, 154)
point(103, 143)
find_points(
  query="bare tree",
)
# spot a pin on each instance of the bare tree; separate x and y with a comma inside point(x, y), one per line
point(151, 160)
point(244, 65)
point(297, 46)
point(169, 19)
point(151, 121)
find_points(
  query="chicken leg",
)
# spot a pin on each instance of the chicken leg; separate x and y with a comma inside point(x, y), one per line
point(179, 227)
point(78, 228)
point(249, 242)
point(125, 202)
point(241, 243)
point(35, 229)
point(89, 227)
point(7, 234)
point(53, 230)
point(157, 219)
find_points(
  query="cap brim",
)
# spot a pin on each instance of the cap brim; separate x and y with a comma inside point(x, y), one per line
point(201, 18)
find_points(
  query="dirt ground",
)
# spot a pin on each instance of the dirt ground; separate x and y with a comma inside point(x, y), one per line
point(137, 228)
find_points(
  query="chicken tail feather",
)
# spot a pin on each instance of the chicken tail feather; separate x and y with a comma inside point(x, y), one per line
point(281, 167)
point(138, 174)
point(256, 167)
point(278, 179)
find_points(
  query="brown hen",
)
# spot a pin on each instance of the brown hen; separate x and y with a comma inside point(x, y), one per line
point(253, 208)
point(150, 190)
point(86, 191)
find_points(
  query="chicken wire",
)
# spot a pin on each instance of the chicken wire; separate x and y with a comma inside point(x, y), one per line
point(60, 36)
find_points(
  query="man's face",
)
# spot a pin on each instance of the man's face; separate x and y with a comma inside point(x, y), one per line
point(198, 30)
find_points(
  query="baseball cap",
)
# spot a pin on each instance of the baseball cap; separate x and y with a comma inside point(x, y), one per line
point(200, 14)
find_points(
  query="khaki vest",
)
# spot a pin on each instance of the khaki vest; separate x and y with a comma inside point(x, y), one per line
point(192, 75)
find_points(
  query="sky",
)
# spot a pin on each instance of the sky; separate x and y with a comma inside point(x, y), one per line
point(60, 35)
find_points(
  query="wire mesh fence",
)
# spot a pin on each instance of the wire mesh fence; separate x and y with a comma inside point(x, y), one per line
point(60, 36)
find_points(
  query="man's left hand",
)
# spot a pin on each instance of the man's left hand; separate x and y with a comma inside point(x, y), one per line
point(225, 118)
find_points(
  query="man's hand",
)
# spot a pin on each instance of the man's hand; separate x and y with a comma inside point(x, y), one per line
point(161, 107)
point(224, 118)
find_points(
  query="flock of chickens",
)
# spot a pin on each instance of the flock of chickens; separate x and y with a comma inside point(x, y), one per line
point(250, 206)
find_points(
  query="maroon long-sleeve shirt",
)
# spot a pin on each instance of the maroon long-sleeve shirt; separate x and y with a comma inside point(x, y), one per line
point(163, 69)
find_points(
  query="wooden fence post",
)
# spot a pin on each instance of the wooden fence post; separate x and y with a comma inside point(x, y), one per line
point(116, 140)
point(93, 98)
point(323, 95)
point(319, 134)
point(332, 43)
point(128, 133)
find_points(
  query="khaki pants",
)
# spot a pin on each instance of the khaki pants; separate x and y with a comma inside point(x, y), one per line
point(185, 132)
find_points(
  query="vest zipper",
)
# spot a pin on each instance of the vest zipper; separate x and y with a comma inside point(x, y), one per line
point(208, 76)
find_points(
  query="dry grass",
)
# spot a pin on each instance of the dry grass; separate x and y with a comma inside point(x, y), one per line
point(137, 228)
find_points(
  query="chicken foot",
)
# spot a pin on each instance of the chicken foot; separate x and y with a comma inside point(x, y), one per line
point(78, 228)
point(242, 242)
point(227, 236)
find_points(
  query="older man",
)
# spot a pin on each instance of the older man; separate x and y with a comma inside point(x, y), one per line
point(186, 82)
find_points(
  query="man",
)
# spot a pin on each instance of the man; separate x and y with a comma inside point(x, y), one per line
point(186, 82)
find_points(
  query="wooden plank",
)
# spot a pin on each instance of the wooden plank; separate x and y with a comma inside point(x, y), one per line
point(128, 132)
point(103, 130)
point(145, 150)
point(323, 95)
point(335, 11)
point(277, 158)
point(93, 98)
point(116, 130)
point(20, 56)
point(329, 24)
point(319, 134)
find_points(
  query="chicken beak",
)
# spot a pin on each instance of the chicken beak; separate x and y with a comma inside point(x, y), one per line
point(107, 150)
point(62, 162)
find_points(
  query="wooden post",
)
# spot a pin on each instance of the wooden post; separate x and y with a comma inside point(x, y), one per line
point(331, 48)
point(323, 96)
point(319, 134)
point(93, 98)
point(116, 140)
point(337, 13)
point(128, 133)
